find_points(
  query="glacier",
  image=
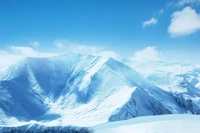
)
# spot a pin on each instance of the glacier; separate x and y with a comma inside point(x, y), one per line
point(78, 91)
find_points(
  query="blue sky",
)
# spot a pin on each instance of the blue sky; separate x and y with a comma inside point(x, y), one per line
point(110, 26)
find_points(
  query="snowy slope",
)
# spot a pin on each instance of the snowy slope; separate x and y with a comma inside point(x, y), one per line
point(153, 124)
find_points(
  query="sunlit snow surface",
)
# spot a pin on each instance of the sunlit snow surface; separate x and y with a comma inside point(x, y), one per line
point(153, 124)
point(145, 124)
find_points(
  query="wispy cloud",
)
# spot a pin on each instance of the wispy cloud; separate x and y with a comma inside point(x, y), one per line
point(63, 47)
point(161, 12)
point(2, 52)
point(152, 21)
point(184, 22)
point(31, 42)
point(60, 44)
point(170, 3)
point(69, 47)
point(29, 52)
point(34, 43)
point(15, 53)
point(112, 54)
point(26, 51)
point(184, 2)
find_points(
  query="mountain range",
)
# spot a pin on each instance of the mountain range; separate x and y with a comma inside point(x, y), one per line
point(86, 90)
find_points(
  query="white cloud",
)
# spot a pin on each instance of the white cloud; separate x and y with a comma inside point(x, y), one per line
point(148, 54)
point(184, 22)
point(161, 12)
point(68, 47)
point(152, 21)
point(29, 52)
point(34, 43)
point(184, 2)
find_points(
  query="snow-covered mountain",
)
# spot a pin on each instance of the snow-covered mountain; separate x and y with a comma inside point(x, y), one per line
point(180, 79)
point(82, 90)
